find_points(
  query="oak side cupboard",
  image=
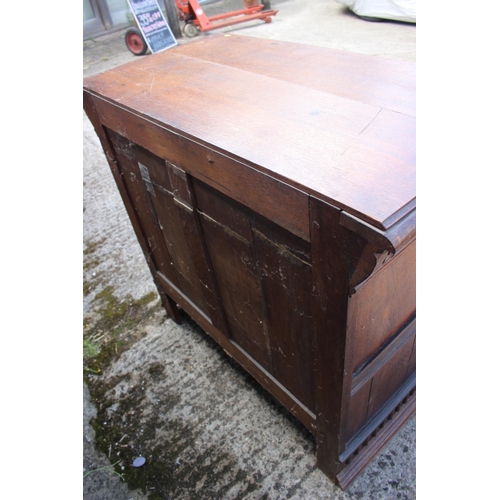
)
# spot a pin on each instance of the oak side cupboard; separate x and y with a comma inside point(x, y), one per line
point(272, 189)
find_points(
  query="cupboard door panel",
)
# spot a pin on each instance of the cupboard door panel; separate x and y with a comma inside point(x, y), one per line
point(286, 284)
point(126, 154)
point(264, 274)
point(162, 194)
point(237, 277)
point(175, 233)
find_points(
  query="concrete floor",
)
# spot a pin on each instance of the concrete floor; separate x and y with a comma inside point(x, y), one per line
point(205, 427)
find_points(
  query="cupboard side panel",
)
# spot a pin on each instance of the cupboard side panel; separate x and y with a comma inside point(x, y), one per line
point(380, 386)
point(186, 209)
point(169, 196)
point(382, 306)
point(230, 214)
point(358, 408)
point(391, 376)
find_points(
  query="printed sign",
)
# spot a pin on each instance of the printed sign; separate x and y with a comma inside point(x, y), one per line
point(152, 24)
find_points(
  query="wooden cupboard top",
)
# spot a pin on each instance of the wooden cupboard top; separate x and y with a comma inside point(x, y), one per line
point(336, 125)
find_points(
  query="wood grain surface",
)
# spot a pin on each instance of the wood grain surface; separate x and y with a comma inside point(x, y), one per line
point(338, 126)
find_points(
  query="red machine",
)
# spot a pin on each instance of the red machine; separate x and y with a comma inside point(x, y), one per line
point(195, 19)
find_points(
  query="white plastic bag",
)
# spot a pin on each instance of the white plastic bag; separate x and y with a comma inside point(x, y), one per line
point(396, 10)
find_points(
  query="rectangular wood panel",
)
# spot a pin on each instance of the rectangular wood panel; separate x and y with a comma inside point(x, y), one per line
point(125, 152)
point(227, 233)
point(383, 305)
point(376, 383)
point(286, 277)
point(391, 376)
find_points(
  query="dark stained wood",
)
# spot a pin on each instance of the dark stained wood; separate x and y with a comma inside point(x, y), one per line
point(378, 380)
point(176, 228)
point(276, 201)
point(180, 185)
point(231, 214)
point(170, 306)
point(358, 403)
point(395, 239)
point(390, 377)
point(385, 352)
point(193, 233)
point(332, 268)
point(283, 220)
point(103, 134)
point(169, 199)
point(382, 305)
point(383, 83)
point(378, 420)
point(364, 154)
point(374, 445)
point(286, 280)
point(136, 195)
point(235, 270)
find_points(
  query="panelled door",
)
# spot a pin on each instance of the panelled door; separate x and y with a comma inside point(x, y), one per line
point(249, 277)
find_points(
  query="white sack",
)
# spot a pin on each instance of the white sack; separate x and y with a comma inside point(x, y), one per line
point(396, 10)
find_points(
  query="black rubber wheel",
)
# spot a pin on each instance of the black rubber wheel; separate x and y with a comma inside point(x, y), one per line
point(135, 42)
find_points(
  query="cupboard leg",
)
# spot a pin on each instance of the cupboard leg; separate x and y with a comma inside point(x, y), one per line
point(170, 305)
point(326, 458)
